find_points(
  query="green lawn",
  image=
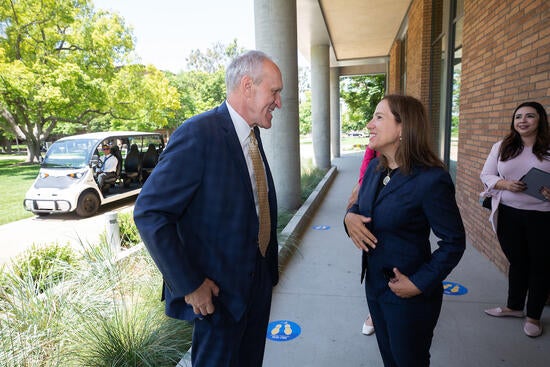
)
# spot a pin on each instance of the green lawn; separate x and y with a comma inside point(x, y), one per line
point(347, 143)
point(15, 179)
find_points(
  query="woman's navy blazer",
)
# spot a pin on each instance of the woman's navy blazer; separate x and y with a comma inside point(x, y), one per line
point(406, 210)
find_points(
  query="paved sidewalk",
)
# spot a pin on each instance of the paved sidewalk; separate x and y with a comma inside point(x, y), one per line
point(62, 229)
point(320, 291)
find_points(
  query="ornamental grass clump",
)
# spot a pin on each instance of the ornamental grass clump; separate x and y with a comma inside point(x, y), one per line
point(36, 314)
point(133, 334)
point(98, 312)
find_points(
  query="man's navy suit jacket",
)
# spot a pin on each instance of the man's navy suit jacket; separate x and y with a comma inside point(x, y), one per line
point(197, 217)
point(402, 215)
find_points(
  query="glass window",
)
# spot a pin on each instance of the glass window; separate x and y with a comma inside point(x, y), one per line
point(68, 154)
point(445, 74)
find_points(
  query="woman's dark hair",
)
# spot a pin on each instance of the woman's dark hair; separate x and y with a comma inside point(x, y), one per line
point(414, 148)
point(512, 145)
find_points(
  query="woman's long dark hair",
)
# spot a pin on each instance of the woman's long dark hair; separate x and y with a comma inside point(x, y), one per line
point(512, 145)
point(414, 148)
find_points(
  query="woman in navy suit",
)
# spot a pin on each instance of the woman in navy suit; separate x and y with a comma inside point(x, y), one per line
point(405, 194)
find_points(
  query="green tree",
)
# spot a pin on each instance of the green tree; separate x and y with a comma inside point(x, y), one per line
point(214, 58)
point(305, 112)
point(63, 66)
point(141, 98)
point(455, 114)
point(202, 86)
point(304, 99)
point(361, 94)
point(198, 91)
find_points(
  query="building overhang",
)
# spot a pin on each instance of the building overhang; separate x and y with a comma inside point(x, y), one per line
point(360, 33)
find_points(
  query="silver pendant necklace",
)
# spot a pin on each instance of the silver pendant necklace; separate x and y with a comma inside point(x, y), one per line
point(387, 179)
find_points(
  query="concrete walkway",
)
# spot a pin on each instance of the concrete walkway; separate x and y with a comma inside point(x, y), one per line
point(320, 291)
point(61, 229)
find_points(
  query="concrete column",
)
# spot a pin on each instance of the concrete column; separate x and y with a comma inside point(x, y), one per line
point(335, 111)
point(320, 105)
point(276, 35)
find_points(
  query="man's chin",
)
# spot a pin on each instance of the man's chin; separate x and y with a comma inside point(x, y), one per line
point(266, 124)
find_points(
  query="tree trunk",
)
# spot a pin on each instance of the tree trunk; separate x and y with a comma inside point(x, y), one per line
point(33, 151)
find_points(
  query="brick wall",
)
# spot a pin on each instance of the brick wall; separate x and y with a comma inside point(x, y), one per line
point(506, 61)
point(394, 84)
point(418, 50)
point(418, 53)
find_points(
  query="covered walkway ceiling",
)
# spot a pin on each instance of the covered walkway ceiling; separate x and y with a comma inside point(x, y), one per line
point(360, 32)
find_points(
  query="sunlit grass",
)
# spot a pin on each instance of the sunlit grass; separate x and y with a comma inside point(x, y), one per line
point(15, 179)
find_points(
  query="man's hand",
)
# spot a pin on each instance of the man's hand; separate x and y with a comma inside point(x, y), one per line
point(201, 298)
point(402, 286)
point(359, 234)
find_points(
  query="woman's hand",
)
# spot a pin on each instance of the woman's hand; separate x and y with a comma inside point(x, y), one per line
point(358, 232)
point(514, 186)
point(545, 191)
point(402, 286)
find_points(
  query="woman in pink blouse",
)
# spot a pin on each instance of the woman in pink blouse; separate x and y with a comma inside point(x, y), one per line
point(367, 157)
point(521, 220)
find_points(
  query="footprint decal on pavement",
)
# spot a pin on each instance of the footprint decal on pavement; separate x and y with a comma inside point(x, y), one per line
point(288, 329)
point(283, 330)
point(454, 289)
point(276, 329)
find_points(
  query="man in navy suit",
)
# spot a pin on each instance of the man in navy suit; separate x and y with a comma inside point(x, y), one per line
point(198, 217)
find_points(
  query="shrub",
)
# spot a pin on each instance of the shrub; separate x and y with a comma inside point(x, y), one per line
point(45, 265)
point(310, 179)
point(129, 235)
point(283, 218)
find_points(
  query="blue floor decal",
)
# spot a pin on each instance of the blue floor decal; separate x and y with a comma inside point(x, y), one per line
point(454, 289)
point(283, 330)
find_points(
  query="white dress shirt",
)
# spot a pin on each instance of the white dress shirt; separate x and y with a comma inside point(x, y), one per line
point(243, 131)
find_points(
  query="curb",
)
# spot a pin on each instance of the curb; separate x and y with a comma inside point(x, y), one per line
point(289, 237)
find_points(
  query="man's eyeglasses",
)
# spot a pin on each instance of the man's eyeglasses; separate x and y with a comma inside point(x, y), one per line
point(106, 148)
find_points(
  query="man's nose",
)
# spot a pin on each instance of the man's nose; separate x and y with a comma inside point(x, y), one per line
point(278, 101)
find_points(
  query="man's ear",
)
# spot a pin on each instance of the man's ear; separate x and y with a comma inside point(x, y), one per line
point(246, 85)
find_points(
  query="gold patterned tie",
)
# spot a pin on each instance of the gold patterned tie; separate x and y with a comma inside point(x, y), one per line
point(261, 187)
